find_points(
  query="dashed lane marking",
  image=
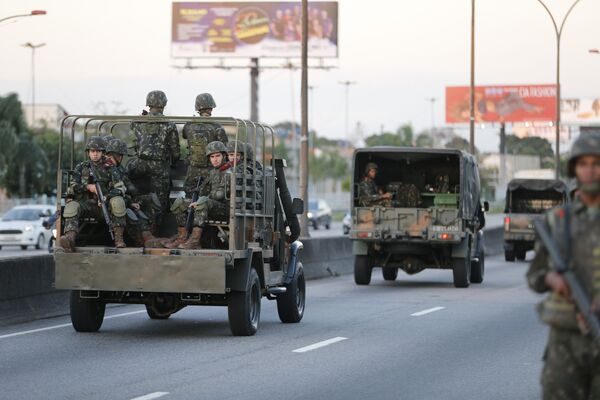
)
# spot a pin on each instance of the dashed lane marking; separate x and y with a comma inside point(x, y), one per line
point(319, 344)
point(151, 396)
point(428, 311)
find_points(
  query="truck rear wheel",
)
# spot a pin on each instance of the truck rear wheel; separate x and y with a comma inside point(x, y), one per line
point(362, 270)
point(290, 305)
point(461, 270)
point(155, 315)
point(389, 274)
point(244, 308)
point(86, 314)
point(509, 255)
point(478, 269)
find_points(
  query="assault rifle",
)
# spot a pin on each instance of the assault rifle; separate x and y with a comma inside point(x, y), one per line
point(101, 200)
point(578, 293)
point(189, 220)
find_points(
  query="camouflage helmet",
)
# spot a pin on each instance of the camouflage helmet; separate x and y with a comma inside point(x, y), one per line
point(95, 143)
point(116, 146)
point(156, 98)
point(204, 100)
point(231, 146)
point(586, 144)
point(215, 147)
point(370, 166)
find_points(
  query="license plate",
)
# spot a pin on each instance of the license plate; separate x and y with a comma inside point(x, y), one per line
point(9, 239)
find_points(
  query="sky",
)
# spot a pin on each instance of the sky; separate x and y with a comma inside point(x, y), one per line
point(399, 53)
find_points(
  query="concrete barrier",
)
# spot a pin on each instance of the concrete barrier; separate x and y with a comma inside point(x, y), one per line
point(27, 293)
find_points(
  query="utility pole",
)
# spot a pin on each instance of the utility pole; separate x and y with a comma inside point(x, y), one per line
point(432, 101)
point(347, 96)
point(472, 89)
point(33, 47)
point(304, 130)
point(254, 89)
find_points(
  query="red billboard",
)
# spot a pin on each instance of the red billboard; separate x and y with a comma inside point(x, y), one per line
point(513, 103)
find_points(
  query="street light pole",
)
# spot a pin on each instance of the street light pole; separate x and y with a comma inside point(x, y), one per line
point(432, 101)
point(347, 95)
point(33, 47)
point(31, 14)
point(304, 122)
point(472, 86)
point(558, 32)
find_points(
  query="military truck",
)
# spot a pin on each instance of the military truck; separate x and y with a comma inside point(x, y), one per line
point(252, 255)
point(527, 199)
point(441, 228)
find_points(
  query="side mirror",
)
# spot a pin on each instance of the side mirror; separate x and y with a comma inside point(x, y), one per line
point(486, 206)
point(297, 206)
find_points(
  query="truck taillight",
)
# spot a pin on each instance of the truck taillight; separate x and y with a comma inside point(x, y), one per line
point(364, 235)
point(506, 223)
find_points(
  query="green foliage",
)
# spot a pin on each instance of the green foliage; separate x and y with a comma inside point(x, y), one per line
point(531, 146)
point(12, 112)
point(328, 165)
point(458, 143)
point(403, 136)
point(424, 140)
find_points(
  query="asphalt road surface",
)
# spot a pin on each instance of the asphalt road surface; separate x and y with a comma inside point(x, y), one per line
point(416, 338)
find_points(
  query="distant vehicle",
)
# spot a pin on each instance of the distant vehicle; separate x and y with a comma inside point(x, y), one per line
point(50, 224)
point(347, 223)
point(527, 199)
point(319, 214)
point(22, 226)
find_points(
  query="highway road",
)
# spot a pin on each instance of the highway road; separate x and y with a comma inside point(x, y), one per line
point(416, 338)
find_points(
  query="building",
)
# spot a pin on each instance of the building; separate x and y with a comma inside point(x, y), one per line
point(46, 114)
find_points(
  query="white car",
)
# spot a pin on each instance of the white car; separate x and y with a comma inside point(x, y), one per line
point(22, 226)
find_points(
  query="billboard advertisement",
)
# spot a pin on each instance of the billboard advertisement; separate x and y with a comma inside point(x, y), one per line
point(252, 29)
point(580, 111)
point(513, 103)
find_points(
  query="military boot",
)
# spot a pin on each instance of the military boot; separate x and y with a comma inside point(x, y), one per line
point(194, 241)
point(67, 241)
point(180, 238)
point(119, 242)
point(149, 240)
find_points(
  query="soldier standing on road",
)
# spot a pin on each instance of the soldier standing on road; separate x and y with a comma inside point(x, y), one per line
point(82, 197)
point(572, 359)
point(368, 194)
point(198, 136)
point(157, 148)
point(212, 201)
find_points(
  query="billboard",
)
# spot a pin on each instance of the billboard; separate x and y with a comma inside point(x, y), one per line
point(252, 29)
point(513, 103)
point(580, 111)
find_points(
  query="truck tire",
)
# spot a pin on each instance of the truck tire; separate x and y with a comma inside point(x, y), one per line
point(290, 305)
point(154, 315)
point(461, 270)
point(40, 242)
point(86, 314)
point(362, 270)
point(478, 269)
point(509, 255)
point(389, 274)
point(244, 308)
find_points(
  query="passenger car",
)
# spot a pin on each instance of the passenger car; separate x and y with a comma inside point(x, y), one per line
point(22, 226)
point(319, 214)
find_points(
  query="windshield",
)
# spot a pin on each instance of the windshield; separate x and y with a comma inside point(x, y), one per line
point(22, 214)
point(534, 202)
point(313, 205)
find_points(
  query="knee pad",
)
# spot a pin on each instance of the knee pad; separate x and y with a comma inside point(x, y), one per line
point(117, 206)
point(179, 205)
point(71, 209)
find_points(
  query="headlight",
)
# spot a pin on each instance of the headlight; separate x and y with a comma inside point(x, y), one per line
point(309, 215)
point(28, 228)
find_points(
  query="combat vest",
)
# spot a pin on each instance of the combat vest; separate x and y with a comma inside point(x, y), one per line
point(576, 229)
point(152, 140)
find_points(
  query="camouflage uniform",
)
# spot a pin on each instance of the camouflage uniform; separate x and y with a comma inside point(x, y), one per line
point(572, 358)
point(85, 204)
point(253, 171)
point(368, 194)
point(198, 136)
point(157, 149)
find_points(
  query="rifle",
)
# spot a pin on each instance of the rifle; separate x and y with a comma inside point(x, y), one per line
point(578, 293)
point(189, 220)
point(101, 200)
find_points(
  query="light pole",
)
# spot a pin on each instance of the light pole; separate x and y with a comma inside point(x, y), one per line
point(31, 14)
point(347, 94)
point(558, 32)
point(33, 47)
point(472, 85)
point(432, 100)
point(304, 117)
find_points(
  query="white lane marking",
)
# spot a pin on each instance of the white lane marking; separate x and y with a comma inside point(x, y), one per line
point(48, 328)
point(151, 396)
point(319, 344)
point(428, 311)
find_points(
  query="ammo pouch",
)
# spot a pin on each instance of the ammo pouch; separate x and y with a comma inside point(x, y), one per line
point(557, 312)
point(197, 152)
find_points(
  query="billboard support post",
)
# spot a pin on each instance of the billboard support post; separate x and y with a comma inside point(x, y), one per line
point(304, 126)
point(472, 89)
point(502, 178)
point(558, 32)
point(254, 72)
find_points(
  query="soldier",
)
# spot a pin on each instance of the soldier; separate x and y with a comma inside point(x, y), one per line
point(245, 151)
point(368, 194)
point(211, 202)
point(198, 136)
point(572, 358)
point(157, 148)
point(82, 197)
point(141, 209)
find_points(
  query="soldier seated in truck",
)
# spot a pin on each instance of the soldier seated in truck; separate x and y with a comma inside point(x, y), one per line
point(212, 200)
point(368, 193)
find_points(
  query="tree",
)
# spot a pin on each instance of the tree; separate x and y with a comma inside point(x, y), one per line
point(424, 140)
point(459, 143)
point(531, 146)
point(402, 137)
